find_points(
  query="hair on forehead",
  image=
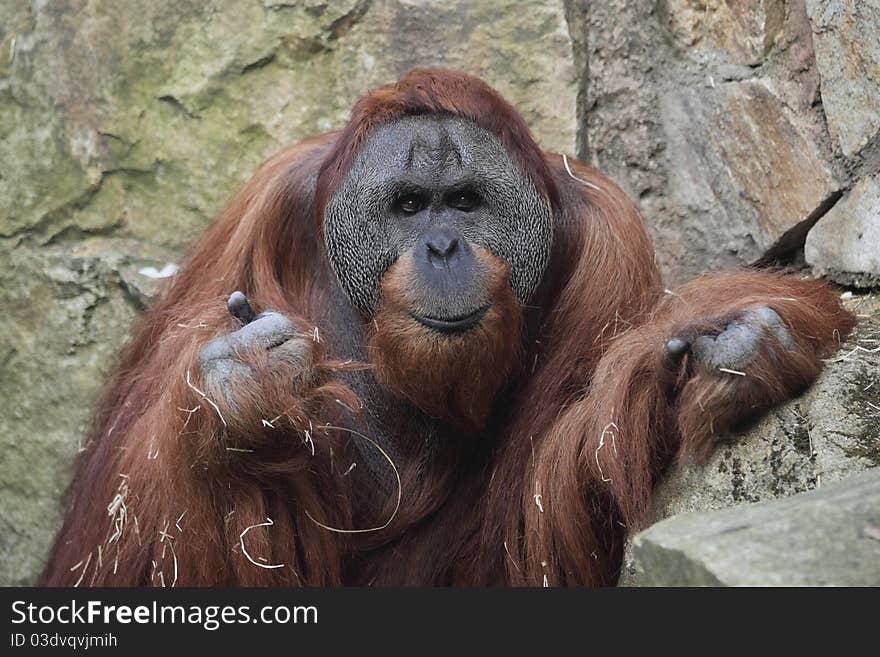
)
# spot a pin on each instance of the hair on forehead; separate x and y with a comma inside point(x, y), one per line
point(442, 93)
point(428, 140)
point(425, 149)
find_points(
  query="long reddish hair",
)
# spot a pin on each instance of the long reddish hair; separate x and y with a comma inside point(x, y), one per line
point(172, 489)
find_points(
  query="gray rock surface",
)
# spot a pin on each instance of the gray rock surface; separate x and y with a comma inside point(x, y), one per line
point(845, 244)
point(826, 537)
point(704, 112)
point(746, 175)
point(140, 119)
point(740, 32)
point(845, 36)
point(65, 314)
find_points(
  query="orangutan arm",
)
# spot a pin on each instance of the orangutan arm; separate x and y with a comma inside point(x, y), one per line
point(721, 349)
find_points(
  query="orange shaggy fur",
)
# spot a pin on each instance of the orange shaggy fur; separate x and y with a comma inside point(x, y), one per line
point(574, 413)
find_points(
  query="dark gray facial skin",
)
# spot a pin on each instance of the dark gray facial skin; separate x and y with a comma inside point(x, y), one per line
point(434, 188)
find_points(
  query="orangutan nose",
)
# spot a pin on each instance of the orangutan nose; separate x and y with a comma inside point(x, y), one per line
point(442, 243)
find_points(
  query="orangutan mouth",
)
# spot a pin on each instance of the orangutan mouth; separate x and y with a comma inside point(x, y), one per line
point(454, 324)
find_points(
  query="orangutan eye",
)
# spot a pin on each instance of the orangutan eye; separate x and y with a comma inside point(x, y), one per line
point(410, 203)
point(466, 201)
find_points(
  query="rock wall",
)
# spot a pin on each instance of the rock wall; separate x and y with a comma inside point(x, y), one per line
point(829, 536)
point(124, 127)
point(736, 125)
